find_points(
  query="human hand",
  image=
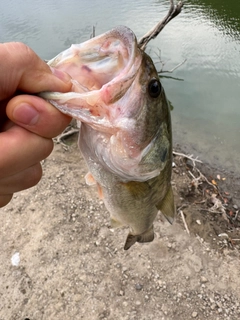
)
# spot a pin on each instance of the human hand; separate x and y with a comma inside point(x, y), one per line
point(27, 123)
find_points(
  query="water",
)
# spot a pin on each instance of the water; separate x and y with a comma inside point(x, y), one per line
point(204, 91)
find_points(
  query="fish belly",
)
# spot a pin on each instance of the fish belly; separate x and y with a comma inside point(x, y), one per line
point(125, 207)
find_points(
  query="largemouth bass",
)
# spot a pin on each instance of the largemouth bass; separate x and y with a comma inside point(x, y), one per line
point(125, 135)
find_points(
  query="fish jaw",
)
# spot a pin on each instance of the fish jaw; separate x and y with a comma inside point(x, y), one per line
point(102, 70)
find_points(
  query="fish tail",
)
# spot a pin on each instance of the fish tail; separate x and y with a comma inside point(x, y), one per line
point(147, 236)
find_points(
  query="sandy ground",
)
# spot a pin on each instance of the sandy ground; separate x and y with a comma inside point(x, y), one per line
point(73, 266)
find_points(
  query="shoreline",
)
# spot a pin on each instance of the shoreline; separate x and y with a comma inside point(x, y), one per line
point(214, 196)
point(61, 229)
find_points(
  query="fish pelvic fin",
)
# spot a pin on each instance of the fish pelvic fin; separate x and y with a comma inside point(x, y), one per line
point(167, 206)
point(115, 223)
point(147, 236)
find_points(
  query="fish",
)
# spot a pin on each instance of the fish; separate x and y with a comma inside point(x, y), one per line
point(125, 134)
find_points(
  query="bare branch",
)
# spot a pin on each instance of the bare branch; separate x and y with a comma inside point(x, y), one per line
point(93, 34)
point(66, 133)
point(173, 69)
point(163, 64)
point(190, 157)
point(203, 177)
point(172, 13)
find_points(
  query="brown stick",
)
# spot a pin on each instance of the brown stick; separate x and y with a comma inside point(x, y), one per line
point(172, 13)
point(184, 221)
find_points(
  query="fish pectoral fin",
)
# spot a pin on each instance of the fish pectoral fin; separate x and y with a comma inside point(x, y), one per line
point(147, 236)
point(115, 223)
point(167, 206)
point(137, 189)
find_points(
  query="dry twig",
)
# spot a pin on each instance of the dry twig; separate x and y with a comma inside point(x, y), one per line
point(163, 64)
point(184, 221)
point(173, 69)
point(153, 33)
point(66, 133)
point(190, 157)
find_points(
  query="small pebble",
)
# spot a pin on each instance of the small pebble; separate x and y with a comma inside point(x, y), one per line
point(15, 260)
point(194, 314)
point(138, 286)
point(203, 279)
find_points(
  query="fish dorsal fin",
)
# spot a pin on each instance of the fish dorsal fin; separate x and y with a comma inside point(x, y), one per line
point(167, 206)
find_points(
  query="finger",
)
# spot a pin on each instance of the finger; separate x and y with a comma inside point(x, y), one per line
point(21, 181)
point(5, 199)
point(24, 70)
point(3, 116)
point(37, 115)
point(6, 126)
point(21, 149)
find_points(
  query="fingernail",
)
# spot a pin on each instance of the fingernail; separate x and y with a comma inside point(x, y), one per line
point(25, 114)
point(60, 74)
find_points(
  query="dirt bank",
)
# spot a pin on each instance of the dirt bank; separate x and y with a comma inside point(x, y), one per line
point(73, 266)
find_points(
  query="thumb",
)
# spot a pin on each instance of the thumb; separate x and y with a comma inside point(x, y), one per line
point(37, 115)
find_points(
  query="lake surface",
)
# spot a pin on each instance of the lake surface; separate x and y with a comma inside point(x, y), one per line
point(204, 91)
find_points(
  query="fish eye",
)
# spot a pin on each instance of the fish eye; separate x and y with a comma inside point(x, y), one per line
point(154, 88)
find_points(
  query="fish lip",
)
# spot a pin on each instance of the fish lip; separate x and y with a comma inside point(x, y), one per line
point(123, 33)
point(108, 93)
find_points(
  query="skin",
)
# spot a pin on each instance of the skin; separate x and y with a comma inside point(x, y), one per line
point(27, 123)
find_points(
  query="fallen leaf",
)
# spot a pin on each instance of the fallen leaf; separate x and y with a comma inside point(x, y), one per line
point(223, 179)
point(214, 182)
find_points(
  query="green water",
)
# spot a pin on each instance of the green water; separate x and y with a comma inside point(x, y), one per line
point(204, 91)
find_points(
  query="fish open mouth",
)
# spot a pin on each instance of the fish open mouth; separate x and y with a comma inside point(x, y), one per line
point(109, 95)
point(102, 70)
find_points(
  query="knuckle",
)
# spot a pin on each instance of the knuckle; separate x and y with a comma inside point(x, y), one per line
point(47, 149)
point(24, 54)
point(34, 175)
